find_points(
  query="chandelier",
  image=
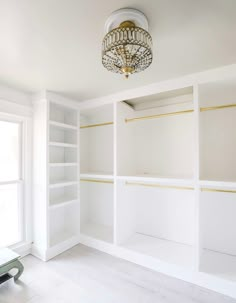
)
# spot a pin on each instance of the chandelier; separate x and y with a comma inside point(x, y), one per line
point(127, 45)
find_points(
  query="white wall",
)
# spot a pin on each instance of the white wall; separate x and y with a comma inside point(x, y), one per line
point(13, 101)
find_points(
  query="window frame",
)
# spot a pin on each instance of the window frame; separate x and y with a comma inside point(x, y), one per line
point(24, 178)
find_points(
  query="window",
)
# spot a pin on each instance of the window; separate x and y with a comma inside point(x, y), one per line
point(11, 183)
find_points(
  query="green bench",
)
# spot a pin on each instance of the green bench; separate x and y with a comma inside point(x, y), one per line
point(9, 260)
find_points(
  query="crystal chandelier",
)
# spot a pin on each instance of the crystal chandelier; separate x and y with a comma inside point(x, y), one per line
point(127, 46)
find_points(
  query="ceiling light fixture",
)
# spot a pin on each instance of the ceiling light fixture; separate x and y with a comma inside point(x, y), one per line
point(127, 45)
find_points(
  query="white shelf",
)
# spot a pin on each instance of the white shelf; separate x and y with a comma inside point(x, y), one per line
point(62, 125)
point(63, 164)
point(158, 179)
point(98, 231)
point(218, 264)
point(61, 237)
point(62, 184)
point(96, 175)
point(218, 184)
point(58, 144)
point(64, 201)
point(167, 251)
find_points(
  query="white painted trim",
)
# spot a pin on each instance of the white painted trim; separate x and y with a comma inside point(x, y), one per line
point(61, 247)
point(38, 252)
point(27, 157)
point(55, 250)
point(25, 173)
point(197, 241)
point(115, 231)
point(23, 248)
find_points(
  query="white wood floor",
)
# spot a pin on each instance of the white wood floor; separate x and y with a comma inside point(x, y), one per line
point(84, 275)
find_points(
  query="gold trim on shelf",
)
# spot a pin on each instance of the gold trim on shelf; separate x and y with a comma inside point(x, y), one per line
point(95, 125)
point(218, 190)
point(204, 109)
point(97, 181)
point(159, 185)
point(160, 115)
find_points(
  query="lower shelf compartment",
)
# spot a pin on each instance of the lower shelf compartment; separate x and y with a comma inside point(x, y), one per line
point(218, 264)
point(98, 231)
point(164, 250)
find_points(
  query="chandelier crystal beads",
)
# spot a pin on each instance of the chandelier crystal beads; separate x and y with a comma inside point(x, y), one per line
point(127, 49)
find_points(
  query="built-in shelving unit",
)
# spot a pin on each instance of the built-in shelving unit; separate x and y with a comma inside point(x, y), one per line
point(63, 177)
point(158, 181)
point(59, 187)
point(155, 173)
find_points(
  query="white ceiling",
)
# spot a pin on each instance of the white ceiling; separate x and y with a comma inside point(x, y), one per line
point(56, 44)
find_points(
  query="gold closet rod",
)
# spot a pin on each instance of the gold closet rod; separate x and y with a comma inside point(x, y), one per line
point(96, 125)
point(204, 109)
point(97, 181)
point(159, 185)
point(218, 190)
point(159, 116)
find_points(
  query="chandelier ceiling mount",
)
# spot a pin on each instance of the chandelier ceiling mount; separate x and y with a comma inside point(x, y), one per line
point(127, 45)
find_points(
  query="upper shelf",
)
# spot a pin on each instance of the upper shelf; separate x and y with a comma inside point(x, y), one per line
point(96, 175)
point(58, 144)
point(62, 125)
point(158, 179)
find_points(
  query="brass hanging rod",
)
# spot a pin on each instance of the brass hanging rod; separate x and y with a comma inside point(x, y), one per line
point(96, 125)
point(97, 181)
point(159, 185)
point(159, 116)
point(204, 109)
point(218, 190)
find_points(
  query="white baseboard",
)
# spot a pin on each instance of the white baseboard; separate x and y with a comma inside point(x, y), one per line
point(23, 249)
point(47, 254)
point(201, 279)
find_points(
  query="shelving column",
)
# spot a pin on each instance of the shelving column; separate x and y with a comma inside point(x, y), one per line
point(197, 175)
point(56, 171)
point(115, 171)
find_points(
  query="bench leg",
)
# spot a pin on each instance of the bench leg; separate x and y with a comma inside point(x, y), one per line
point(15, 264)
point(20, 267)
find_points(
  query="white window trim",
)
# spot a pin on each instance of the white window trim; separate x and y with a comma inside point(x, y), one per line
point(24, 247)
